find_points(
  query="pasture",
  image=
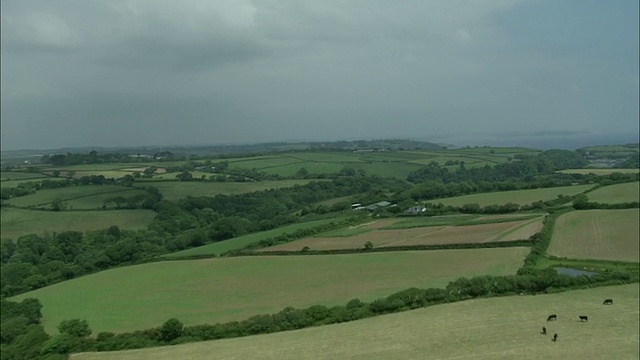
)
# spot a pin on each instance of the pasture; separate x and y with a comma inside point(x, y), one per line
point(382, 163)
point(599, 171)
point(618, 193)
point(17, 222)
point(597, 234)
point(520, 197)
point(18, 175)
point(76, 197)
point(481, 329)
point(176, 190)
point(14, 183)
point(225, 289)
point(239, 242)
point(355, 237)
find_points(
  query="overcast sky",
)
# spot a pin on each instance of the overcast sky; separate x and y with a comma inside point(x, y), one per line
point(169, 72)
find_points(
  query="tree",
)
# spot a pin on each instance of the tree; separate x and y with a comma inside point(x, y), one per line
point(368, 245)
point(58, 205)
point(171, 329)
point(75, 327)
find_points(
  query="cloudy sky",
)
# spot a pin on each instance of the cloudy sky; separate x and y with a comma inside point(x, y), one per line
point(169, 72)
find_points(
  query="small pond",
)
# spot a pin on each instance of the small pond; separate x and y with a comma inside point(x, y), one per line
point(572, 272)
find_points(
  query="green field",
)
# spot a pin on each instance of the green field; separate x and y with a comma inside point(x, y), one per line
point(16, 175)
point(520, 197)
point(483, 329)
point(599, 171)
point(17, 222)
point(14, 183)
point(619, 193)
point(176, 190)
point(225, 289)
point(78, 197)
point(242, 241)
point(597, 234)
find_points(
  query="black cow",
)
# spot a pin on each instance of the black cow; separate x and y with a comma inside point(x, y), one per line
point(552, 317)
point(544, 331)
point(555, 337)
point(608, 302)
point(583, 318)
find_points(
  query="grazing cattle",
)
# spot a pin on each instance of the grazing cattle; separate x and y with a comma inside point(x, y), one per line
point(555, 337)
point(608, 302)
point(583, 318)
point(544, 331)
point(552, 317)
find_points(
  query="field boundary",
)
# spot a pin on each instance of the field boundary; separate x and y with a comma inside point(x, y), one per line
point(241, 252)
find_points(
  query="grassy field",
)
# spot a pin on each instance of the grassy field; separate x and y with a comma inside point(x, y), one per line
point(17, 222)
point(618, 193)
point(14, 183)
point(225, 289)
point(385, 163)
point(606, 171)
point(16, 175)
point(520, 197)
point(483, 329)
point(242, 241)
point(78, 197)
point(597, 234)
point(175, 190)
point(356, 237)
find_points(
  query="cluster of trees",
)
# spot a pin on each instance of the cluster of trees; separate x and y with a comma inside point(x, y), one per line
point(35, 261)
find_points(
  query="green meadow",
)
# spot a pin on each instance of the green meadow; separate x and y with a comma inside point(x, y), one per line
point(80, 197)
point(482, 329)
point(17, 222)
point(618, 193)
point(225, 289)
point(17, 175)
point(239, 242)
point(175, 190)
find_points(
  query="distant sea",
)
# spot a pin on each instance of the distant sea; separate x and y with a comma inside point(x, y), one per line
point(542, 141)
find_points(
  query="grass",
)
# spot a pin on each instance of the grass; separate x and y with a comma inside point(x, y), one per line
point(226, 289)
point(606, 171)
point(17, 175)
point(15, 183)
point(483, 329)
point(242, 241)
point(597, 234)
point(46, 196)
point(619, 193)
point(175, 190)
point(520, 197)
point(17, 222)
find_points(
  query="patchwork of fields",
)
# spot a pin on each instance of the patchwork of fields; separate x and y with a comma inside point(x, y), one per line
point(225, 289)
point(239, 242)
point(376, 233)
point(175, 190)
point(520, 197)
point(484, 329)
point(17, 222)
point(597, 234)
point(76, 197)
